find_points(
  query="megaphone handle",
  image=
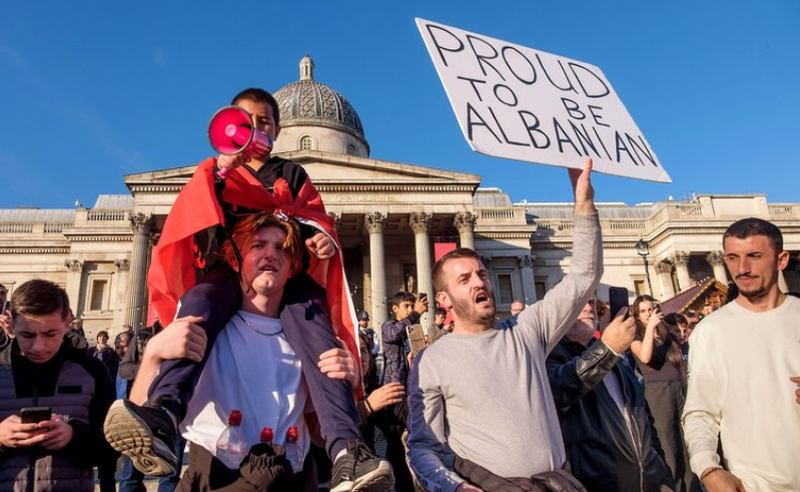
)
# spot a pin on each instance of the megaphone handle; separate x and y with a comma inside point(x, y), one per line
point(223, 173)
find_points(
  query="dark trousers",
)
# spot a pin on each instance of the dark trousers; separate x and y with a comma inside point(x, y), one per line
point(105, 474)
point(206, 473)
point(306, 322)
point(666, 400)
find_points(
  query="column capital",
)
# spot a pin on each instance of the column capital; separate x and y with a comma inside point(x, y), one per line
point(664, 266)
point(420, 222)
point(526, 261)
point(714, 258)
point(142, 224)
point(122, 265)
point(465, 222)
point(74, 264)
point(680, 258)
point(375, 222)
point(337, 220)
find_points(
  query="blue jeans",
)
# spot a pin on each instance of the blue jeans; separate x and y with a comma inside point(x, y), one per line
point(132, 480)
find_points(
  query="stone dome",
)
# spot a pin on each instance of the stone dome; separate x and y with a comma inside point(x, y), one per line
point(308, 103)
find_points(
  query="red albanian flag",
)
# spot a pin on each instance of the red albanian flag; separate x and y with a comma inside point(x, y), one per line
point(172, 270)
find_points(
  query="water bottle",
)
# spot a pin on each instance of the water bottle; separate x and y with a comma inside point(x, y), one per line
point(232, 446)
point(292, 447)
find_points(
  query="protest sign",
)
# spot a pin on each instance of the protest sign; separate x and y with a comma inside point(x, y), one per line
point(524, 104)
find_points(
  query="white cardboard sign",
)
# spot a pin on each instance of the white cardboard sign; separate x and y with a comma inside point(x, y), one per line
point(528, 105)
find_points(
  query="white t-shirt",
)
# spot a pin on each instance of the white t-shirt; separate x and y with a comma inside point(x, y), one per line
point(252, 368)
point(739, 389)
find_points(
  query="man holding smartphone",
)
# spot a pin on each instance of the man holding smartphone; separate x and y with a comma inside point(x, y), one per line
point(54, 398)
point(406, 310)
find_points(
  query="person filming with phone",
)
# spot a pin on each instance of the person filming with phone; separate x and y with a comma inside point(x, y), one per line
point(659, 356)
point(53, 398)
point(406, 311)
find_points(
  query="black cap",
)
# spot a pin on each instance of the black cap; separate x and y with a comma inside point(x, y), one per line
point(363, 315)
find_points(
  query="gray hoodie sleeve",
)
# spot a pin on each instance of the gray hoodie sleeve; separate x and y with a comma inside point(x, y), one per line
point(427, 452)
point(549, 319)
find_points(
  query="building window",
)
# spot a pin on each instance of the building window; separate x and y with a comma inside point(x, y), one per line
point(96, 302)
point(351, 149)
point(306, 143)
point(505, 288)
point(639, 288)
point(541, 289)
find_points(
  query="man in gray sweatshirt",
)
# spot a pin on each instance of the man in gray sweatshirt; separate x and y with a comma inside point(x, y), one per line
point(482, 392)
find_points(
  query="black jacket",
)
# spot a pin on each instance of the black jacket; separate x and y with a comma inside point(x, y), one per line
point(129, 365)
point(75, 386)
point(604, 453)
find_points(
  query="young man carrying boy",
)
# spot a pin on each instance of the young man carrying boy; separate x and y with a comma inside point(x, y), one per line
point(203, 217)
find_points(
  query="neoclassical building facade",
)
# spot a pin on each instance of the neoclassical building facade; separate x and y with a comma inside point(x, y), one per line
point(392, 219)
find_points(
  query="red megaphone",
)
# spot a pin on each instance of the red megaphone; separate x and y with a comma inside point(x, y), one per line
point(231, 132)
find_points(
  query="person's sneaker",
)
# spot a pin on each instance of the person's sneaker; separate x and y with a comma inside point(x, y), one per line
point(146, 434)
point(358, 470)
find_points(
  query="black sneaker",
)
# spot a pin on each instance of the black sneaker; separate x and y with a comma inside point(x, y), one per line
point(146, 434)
point(361, 471)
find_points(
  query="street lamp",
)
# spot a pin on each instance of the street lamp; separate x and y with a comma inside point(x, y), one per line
point(643, 250)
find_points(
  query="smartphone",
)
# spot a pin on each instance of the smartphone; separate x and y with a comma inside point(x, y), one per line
point(434, 333)
point(618, 299)
point(34, 415)
point(416, 338)
point(6, 306)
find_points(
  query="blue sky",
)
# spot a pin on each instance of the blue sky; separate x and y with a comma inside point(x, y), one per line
point(91, 91)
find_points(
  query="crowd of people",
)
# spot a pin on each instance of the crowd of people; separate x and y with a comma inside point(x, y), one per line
point(272, 382)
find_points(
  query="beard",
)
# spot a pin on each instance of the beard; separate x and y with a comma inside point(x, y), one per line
point(465, 309)
point(581, 330)
point(754, 293)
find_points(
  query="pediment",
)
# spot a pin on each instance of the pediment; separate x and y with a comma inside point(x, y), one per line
point(325, 168)
point(330, 168)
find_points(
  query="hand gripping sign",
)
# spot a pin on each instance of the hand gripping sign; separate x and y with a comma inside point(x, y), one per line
point(528, 105)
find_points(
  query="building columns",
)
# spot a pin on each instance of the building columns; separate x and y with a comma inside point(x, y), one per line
point(665, 279)
point(681, 261)
point(465, 224)
point(420, 222)
point(528, 284)
point(74, 276)
point(714, 258)
point(375, 223)
point(136, 305)
point(123, 269)
point(337, 221)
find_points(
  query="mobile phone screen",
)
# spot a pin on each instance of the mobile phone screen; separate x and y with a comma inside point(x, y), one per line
point(34, 415)
point(618, 299)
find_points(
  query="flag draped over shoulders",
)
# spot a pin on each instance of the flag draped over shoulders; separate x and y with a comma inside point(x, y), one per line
point(172, 270)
